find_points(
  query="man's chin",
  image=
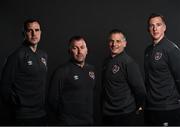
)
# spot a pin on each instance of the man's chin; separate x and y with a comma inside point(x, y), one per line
point(79, 61)
point(32, 43)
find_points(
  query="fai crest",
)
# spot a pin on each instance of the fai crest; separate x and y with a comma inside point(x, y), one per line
point(115, 69)
point(158, 56)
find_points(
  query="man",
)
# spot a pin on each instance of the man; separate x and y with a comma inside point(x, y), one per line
point(123, 87)
point(23, 78)
point(162, 74)
point(71, 92)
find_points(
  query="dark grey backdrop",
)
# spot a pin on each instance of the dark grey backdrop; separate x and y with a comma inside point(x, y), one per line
point(93, 19)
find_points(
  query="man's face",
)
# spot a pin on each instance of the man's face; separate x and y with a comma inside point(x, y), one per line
point(157, 28)
point(78, 51)
point(117, 43)
point(33, 33)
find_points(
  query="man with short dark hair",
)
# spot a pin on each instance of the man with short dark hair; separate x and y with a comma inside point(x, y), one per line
point(71, 91)
point(24, 78)
point(123, 86)
point(162, 76)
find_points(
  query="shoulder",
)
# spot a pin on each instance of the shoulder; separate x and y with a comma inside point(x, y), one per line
point(148, 48)
point(128, 59)
point(16, 53)
point(105, 61)
point(42, 53)
point(63, 68)
point(170, 46)
point(90, 66)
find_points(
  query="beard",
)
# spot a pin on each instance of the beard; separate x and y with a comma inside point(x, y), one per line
point(78, 61)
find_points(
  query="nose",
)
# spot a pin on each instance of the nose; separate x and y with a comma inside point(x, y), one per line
point(79, 51)
point(33, 32)
point(114, 43)
point(155, 28)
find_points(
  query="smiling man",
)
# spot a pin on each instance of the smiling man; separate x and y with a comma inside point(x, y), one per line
point(123, 86)
point(24, 78)
point(162, 76)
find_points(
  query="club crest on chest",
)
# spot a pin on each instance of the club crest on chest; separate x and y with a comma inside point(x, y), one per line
point(115, 69)
point(157, 55)
point(92, 75)
point(43, 60)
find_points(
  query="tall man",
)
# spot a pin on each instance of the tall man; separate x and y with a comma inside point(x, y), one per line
point(23, 78)
point(123, 87)
point(71, 92)
point(162, 76)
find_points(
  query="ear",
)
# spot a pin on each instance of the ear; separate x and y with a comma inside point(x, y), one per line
point(87, 50)
point(164, 27)
point(125, 43)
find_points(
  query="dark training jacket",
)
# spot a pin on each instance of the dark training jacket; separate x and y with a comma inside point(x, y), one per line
point(162, 75)
point(23, 82)
point(71, 94)
point(123, 85)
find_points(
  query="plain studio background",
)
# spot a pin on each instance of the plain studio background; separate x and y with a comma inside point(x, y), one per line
point(61, 19)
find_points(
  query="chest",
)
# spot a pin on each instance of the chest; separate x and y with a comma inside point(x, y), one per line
point(80, 78)
point(115, 71)
point(32, 64)
point(156, 59)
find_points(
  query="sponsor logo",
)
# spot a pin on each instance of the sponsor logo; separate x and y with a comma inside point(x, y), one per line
point(29, 63)
point(76, 77)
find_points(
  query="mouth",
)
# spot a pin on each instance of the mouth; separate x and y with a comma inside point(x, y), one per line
point(114, 48)
point(80, 56)
point(155, 33)
point(34, 38)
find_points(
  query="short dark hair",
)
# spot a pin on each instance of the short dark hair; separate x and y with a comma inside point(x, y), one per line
point(30, 20)
point(114, 31)
point(75, 38)
point(153, 15)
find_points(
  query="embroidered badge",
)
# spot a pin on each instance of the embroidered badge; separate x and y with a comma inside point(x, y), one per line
point(76, 77)
point(43, 60)
point(92, 75)
point(115, 69)
point(158, 56)
point(29, 62)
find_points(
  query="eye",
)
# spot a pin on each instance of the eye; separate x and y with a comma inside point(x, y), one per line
point(83, 47)
point(118, 41)
point(28, 30)
point(37, 30)
point(159, 24)
point(74, 48)
point(111, 41)
point(151, 26)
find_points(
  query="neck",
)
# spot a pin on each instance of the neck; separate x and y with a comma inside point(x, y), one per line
point(157, 41)
point(113, 55)
point(33, 47)
point(80, 64)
